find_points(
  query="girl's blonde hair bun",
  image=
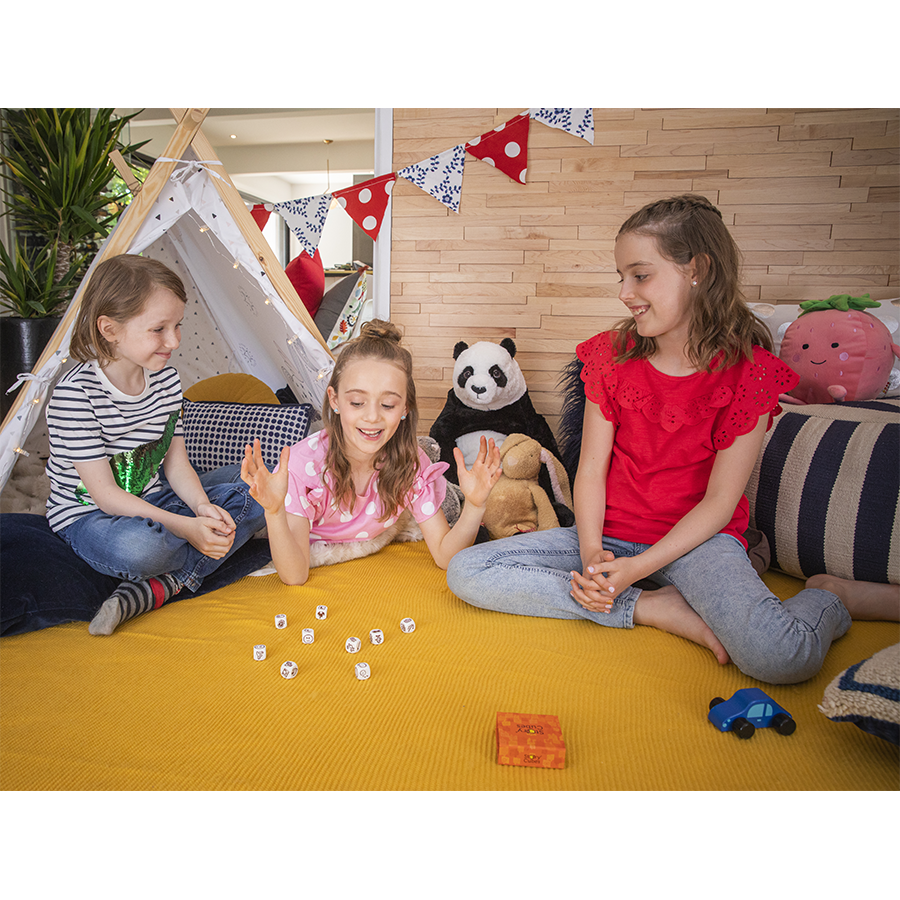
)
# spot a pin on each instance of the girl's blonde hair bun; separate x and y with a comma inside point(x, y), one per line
point(378, 328)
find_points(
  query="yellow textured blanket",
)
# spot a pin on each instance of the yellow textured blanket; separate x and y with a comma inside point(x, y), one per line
point(175, 701)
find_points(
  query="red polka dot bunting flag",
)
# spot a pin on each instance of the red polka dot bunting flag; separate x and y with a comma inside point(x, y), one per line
point(366, 203)
point(506, 147)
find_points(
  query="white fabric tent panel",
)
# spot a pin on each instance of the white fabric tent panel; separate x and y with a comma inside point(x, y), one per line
point(203, 351)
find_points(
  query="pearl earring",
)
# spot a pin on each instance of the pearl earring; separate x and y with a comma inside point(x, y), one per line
point(694, 283)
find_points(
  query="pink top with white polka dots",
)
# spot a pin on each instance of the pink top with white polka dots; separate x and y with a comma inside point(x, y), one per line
point(309, 495)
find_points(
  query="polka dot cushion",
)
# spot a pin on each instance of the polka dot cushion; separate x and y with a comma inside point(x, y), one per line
point(216, 433)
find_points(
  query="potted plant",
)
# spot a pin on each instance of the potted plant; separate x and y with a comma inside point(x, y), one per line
point(59, 172)
point(32, 301)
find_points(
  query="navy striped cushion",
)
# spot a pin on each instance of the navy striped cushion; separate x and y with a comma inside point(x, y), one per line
point(826, 491)
point(868, 695)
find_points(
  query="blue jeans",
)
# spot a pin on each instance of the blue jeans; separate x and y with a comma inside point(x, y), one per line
point(132, 548)
point(774, 642)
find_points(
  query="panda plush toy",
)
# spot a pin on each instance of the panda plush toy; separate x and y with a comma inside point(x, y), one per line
point(489, 397)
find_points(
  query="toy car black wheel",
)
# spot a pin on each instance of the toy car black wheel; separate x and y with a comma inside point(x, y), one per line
point(716, 701)
point(742, 728)
point(783, 724)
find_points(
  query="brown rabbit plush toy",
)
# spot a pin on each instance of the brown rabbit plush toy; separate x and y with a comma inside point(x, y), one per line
point(517, 503)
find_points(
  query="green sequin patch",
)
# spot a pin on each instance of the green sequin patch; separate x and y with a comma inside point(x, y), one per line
point(134, 469)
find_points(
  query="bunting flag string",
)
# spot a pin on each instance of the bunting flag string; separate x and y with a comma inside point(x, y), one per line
point(506, 147)
point(441, 175)
point(367, 202)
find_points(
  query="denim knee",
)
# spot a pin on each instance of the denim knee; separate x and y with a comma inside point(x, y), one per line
point(797, 651)
point(462, 569)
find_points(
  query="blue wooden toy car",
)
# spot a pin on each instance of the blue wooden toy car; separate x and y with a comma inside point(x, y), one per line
point(748, 710)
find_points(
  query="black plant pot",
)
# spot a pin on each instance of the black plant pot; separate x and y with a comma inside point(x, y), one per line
point(22, 342)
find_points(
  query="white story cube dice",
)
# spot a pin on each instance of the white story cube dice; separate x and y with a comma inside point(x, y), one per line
point(259, 651)
point(321, 612)
point(289, 669)
point(376, 636)
point(407, 625)
point(307, 635)
point(281, 621)
point(362, 671)
point(353, 645)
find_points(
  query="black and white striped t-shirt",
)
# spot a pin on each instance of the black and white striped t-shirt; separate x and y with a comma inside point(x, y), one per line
point(89, 418)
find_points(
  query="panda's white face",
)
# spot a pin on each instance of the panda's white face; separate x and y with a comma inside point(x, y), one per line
point(485, 376)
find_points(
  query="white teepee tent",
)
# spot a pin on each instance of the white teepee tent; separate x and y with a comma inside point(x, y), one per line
point(243, 313)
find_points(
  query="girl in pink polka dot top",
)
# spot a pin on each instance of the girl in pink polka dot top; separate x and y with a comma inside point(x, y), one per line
point(355, 478)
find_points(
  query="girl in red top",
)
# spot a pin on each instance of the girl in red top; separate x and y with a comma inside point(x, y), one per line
point(679, 397)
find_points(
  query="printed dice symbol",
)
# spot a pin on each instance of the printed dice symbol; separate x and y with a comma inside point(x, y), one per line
point(353, 644)
point(407, 625)
point(281, 621)
point(307, 635)
point(321, 612)
point(362, 671)
point(376, 636)
point(259, 651)
point(288, 669)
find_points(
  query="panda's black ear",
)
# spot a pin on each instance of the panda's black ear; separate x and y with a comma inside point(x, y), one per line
point(509, 345)
point(462, 345)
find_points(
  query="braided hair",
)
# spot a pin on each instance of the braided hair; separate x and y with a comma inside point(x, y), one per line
point(723, 328)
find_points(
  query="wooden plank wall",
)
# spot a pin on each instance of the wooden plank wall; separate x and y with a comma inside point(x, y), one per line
point(811, 197)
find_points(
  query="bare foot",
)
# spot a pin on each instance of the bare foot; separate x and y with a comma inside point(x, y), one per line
point(865, 600)
point(667, 610)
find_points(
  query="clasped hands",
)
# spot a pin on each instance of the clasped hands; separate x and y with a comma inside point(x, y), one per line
point(211, 530)
point(605, 576)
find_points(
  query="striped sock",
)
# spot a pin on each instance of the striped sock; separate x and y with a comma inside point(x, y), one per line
point(130, 599)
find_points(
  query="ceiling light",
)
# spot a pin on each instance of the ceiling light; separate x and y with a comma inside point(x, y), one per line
point(327, 141)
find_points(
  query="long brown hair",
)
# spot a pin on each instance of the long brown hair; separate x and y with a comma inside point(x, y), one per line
point(689, 228)
point(119, 288)
point(398, 461)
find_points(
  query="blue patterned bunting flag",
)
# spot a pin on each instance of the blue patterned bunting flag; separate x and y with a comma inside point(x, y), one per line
point(306, 218)
point(440, 175)
point(577, 121)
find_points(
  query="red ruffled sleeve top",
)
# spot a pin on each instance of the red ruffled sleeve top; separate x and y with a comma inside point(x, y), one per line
point(668, 431)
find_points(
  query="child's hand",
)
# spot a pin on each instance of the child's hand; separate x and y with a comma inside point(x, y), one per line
point(204, 533)
point(476, 483)
point(604, 579)
point(211, 511)
point(266, 488)
point(590, 589)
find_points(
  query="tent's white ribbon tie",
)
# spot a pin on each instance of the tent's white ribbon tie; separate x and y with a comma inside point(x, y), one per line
point(22, 377)
point(192, 165)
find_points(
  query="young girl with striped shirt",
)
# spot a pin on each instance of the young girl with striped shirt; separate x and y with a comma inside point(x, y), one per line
point(124, 495)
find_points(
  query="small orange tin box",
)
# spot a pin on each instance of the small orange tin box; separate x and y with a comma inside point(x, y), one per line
point(533, 741)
